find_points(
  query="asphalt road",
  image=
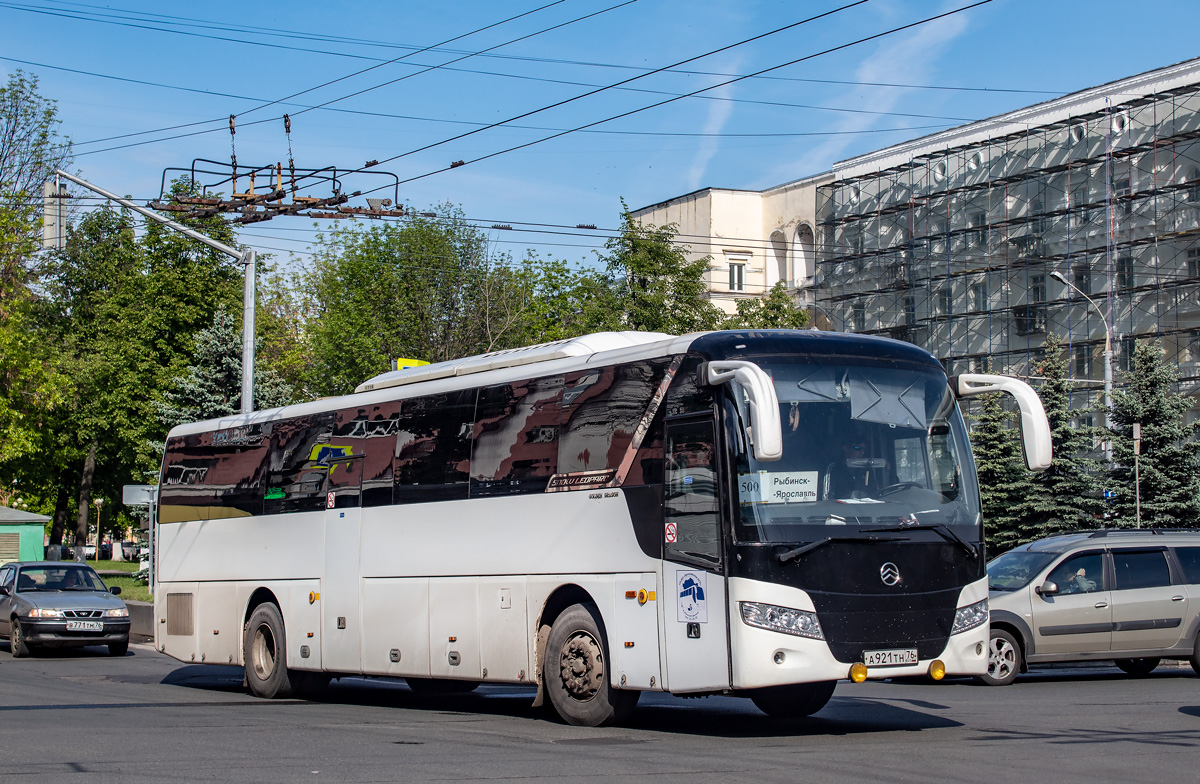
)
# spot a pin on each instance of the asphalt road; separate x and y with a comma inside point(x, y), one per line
point(81, 716)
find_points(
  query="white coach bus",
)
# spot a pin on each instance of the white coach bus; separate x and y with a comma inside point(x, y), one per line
point(746, 513)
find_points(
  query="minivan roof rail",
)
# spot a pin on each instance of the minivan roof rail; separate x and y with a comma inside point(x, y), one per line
point(1135, 531)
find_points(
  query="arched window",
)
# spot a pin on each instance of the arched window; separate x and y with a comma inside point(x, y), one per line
point(803, 255)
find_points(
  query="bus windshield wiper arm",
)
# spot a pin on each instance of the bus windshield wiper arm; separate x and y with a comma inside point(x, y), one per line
point(805, 548)
point(941, 530)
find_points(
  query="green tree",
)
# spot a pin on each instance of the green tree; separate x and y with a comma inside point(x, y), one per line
point(652, 284)
point(1168, 464)
point(424, 289)
point(1003, 479)
point(212, 386)
point(1067, 496)
point(30, 150)
point(777, 310)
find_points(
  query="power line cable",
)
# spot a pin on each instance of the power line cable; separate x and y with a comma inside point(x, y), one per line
point(687, 95)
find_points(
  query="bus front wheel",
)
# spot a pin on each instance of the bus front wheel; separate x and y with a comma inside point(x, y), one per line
point(795, 701)
point(264, 651)
point(576, 673)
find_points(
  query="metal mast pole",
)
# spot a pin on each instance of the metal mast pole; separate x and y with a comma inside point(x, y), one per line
point(246, 257)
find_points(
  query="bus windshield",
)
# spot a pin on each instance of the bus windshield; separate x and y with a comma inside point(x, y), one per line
point(865, 447)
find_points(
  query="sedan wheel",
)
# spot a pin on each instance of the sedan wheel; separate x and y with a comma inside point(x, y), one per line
point(16, 641)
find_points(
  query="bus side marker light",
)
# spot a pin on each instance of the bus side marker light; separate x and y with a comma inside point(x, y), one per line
point(310, 634)
point(630, 594)
point(629, 645)
point(858, 672)
point(643, 596)
point(453, 639)
point(313, 596)
point(937, 669)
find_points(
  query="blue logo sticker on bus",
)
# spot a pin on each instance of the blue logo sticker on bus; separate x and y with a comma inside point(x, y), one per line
point(692, 593)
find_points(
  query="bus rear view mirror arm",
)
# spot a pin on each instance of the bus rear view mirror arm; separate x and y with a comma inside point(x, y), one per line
point(765, 425)
point(1035, 429)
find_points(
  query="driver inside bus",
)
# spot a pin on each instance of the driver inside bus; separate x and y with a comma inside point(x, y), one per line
point(850, 476)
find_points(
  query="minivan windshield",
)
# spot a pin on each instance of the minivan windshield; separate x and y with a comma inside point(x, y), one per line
point(1015, 569)
point(865, 446)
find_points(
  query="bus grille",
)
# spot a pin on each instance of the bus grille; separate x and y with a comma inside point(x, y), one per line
point(920, 621)
point(180, 616)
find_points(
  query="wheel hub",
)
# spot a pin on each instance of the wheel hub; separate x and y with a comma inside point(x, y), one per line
point(263, 653)
point(581, 664)
point(1001, 658)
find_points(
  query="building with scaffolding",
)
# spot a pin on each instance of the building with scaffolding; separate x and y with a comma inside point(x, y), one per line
point(1079, 217)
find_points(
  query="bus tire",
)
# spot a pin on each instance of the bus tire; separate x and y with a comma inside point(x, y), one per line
point(434, 686)
point(795, 701)
point(264, 650)
point(576, 673)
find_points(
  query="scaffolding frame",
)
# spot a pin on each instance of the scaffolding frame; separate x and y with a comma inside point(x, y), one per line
point(953, 250)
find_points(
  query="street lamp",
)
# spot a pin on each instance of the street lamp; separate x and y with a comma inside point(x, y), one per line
point(1108, 371)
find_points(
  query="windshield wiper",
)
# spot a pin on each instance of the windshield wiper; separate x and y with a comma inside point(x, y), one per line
point(941, 530)
point(807, 548)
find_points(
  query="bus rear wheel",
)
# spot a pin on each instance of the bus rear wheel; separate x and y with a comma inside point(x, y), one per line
point(795, 701)
point(576, 674)
point(264, 651)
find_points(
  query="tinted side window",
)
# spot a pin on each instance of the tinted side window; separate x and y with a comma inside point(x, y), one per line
point(1189, 558)
point(687, 395)
point(298, 464)
point(433, 448)
point(516, 437)
point(1140, 569)
point(603, 409)
point(371, 431)
point(212, 475)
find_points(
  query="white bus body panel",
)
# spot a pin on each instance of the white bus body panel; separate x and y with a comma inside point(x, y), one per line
point(398, 613)
point(694, 664)
point(806, 660)
point(342, 628)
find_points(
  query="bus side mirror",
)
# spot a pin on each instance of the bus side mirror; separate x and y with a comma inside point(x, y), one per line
point(765, 426)
point(1036, 444)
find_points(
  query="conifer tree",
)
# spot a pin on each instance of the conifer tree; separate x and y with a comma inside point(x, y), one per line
point(1001, 472)
point(1066, 496)
point(1168, 463)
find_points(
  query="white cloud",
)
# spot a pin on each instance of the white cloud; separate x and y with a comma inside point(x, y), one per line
point(718, 114)
point(911, 58)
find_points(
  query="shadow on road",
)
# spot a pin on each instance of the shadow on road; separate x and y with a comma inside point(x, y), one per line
point(724, 717)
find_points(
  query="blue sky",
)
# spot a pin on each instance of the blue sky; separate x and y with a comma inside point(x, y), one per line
point(752, 134)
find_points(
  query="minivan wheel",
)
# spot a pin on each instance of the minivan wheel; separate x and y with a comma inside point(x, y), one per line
point(1004, 659)
point(1138, 668)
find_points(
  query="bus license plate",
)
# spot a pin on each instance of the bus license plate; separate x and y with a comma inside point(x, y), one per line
point(892, 658)
point(85, 626)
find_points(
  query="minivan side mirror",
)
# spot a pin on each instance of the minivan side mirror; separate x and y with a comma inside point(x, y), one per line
point(3, 590)
point(1048, 588)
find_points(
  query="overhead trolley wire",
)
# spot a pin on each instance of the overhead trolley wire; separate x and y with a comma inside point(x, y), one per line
point(686, 95)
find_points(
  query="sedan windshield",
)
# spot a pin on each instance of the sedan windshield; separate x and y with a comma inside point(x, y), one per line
point(865, 447)
point(1014, 570)
point(59, 577)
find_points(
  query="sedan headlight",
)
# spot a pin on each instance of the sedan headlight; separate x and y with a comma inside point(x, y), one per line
point(120, 612)
point(782, 619)
point(45, 612)
point(970, 617)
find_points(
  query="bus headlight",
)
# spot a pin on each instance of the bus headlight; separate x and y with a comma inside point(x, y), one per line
point(782, 619)
point(970, 617)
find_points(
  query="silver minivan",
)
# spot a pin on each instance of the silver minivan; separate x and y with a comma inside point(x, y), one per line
point(1127, 595)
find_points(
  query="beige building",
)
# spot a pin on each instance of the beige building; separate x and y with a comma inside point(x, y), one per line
point(756, 238)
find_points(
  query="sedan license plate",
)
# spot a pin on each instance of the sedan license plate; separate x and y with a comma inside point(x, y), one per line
point(85, 626)
point(892, 658)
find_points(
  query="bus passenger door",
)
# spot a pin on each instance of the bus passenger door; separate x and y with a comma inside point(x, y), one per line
point(693, 583)
point(341, 627)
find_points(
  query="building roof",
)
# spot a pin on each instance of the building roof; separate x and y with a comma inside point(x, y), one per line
point(10, 516)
